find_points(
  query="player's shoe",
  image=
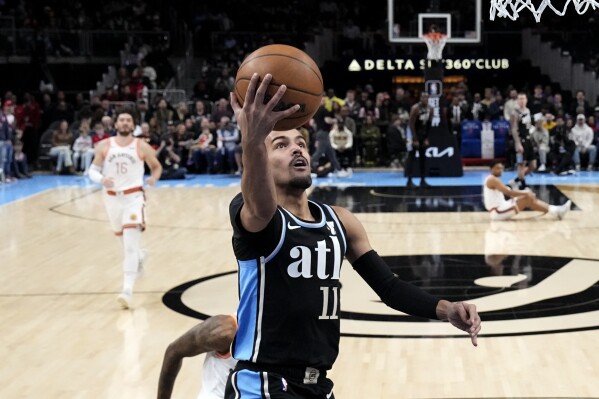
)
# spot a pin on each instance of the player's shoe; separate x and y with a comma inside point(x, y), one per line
point(542, 168)
point(124, 299)
point(143, 259)
point(514, 185)
point(562, 210)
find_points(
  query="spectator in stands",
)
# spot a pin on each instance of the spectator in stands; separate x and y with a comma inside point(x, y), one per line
point(182, 112)
point(562, 148)
point(62, 139)
point(537, 101)
point(222, 108)
point(557, 107)
point(352, 104)
point(183, 141)
point(108, 125)
point(402, 101)
point(170, 161)
point(371, 141)
point(478, 109)
point(457, 114)
point(582, 135)
point(227, 139)
point(396, 140)
point(495, 110)
point(342, 142)
point(20, 166)
point(331, 98)
point(224, 84)
point(99, 133)
point(549, 122)
point(323, 148)
point(540, 140)
point(369, 109)
point(199, 112)
point(7, 132)
point(163, 115)
point(143, 111)
point(203, 152)
point(581, 101)
point(83, 149)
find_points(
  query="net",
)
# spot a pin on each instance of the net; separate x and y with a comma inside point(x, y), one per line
point(435, 43)
point(511, 8)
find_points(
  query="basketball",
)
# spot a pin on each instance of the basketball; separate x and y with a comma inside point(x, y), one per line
point(288, 66)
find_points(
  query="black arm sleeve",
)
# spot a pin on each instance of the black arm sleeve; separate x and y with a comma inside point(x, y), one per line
point(395, 293)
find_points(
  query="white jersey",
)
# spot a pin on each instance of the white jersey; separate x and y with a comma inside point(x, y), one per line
point(214, 375)
point(124, 165)
point(493, 198)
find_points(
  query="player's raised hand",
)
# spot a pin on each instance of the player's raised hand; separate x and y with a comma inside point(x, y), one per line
point(465, 317)
point(255, 118)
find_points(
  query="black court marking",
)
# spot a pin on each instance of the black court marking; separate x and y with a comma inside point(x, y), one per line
point(366, 199)
point(452, 277)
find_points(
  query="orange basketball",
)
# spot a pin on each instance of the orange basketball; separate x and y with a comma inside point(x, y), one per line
point(293, 68)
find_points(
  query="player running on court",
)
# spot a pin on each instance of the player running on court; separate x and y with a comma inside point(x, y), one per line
point(119, 166)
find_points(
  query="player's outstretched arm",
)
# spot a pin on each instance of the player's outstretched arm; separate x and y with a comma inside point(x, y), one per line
point(256, 120)
point(214, 334)
point(396, 293)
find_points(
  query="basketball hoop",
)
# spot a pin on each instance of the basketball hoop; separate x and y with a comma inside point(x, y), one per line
point(511, 8)
point(435, 42)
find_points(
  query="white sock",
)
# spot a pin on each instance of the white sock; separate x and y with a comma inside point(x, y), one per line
point(131, 241)
point(553, 209)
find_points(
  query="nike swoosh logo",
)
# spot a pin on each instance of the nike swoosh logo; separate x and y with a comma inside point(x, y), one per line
point(330, 394)
point(292, 227)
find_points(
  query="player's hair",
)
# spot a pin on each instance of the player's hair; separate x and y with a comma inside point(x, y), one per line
point(521, 93)
point(494, 163)
point(129, 111)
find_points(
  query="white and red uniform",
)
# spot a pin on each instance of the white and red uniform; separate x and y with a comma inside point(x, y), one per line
point(497, 205)
point(125, 202)
point(214, 375)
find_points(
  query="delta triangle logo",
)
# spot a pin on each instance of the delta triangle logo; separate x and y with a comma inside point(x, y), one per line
point(354, 66)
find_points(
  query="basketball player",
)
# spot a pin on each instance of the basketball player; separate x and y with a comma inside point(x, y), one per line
point(119, 166)
point(420, 119)
point(289, 253)
point(213, 337)
point(525, 153)
point(502, 209)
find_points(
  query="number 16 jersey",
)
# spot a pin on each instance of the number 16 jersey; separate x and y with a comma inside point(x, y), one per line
point(289, 294)
point(124, 164)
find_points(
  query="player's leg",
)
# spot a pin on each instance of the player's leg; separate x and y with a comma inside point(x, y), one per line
point(133, 223)
point(537, 205)
point(422, 161)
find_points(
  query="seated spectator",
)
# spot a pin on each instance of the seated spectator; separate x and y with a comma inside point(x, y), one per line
point(62, 139)
point(342, 142)
point(83, 149)
point(21, 169)
point(371, 141)
point(203, 152)
point(170, 161)
point(99, 134)
point(163, 115)
point(7, 132)
point(582, 135)
point(561, 148)
point(227, 136)
point(540, 140)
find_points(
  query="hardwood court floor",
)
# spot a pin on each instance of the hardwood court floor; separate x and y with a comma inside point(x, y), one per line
point(64, 337)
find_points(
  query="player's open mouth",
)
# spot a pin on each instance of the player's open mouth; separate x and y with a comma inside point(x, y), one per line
point(299, 163)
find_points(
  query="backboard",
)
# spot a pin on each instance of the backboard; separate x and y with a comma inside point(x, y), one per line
point(460, 20)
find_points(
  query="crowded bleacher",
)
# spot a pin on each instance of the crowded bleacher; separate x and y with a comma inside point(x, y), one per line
point(46, 128)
